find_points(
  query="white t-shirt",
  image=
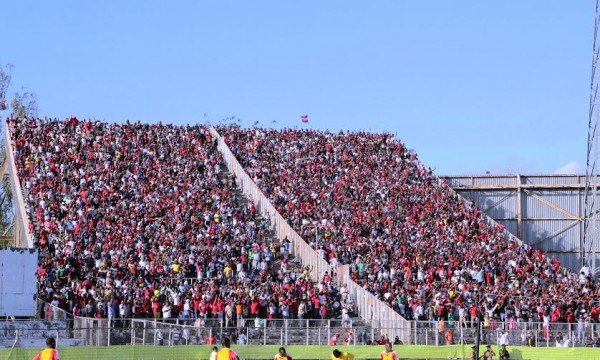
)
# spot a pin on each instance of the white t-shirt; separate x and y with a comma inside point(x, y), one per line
point(503, 339)
point(166, 310)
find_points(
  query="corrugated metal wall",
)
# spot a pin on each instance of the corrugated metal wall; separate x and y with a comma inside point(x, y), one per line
point(551, 209)
point(500, 205)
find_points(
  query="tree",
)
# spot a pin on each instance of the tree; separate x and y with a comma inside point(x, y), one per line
point(24, 105)
point(5, 77)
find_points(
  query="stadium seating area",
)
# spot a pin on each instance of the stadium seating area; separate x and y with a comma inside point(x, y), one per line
point(365, 200)
point(138, 220)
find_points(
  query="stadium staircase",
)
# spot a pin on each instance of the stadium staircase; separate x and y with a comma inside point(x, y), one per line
point(371, 309)
point(242, 202)
point(296, 329)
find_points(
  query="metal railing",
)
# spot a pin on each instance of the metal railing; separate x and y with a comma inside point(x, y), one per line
point(172, 332)
point(534, 334)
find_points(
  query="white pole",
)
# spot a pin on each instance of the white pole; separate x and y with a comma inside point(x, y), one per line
point(307, 331)
point(319, 335)
point(416, 325)
point(286, 332)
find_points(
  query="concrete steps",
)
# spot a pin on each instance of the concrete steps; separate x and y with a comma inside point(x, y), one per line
point(297, 331)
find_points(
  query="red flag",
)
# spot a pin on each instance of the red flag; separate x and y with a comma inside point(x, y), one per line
point(304, 118)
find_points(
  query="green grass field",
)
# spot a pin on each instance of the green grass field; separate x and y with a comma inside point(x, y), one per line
point(298, 352)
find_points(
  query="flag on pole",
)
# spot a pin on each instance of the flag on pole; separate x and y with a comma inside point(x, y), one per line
point(304, 118)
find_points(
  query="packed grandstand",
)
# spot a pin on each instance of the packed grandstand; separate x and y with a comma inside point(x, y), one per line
point(407, 237)
point(139, 220)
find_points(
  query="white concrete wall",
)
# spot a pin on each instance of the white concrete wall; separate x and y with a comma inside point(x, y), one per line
point(18, 281)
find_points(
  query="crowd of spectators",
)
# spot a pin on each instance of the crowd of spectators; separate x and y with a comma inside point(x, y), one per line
point(139, 220)
point(365, 200)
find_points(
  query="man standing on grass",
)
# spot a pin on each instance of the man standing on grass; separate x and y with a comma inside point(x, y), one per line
point(50, 352)
point(504, 355)
point(226, 353)
point(388, 353)
point(489, 353)
point(282, 355)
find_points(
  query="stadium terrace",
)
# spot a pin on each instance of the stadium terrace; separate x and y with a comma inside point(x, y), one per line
point(365, 200)
point(138, 220)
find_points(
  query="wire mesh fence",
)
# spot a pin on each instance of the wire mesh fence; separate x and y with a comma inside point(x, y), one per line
point(193, 338)
point(90, 338)
point(79, 331)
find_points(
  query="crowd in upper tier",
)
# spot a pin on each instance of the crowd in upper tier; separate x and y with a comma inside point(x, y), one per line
point(365, 200)
point(139, 220)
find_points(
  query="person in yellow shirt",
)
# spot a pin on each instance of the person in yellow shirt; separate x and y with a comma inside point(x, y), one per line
point(226, 353)
point(282, 355)
point(341, 355)
point(228, 271)
point(388, 353)
point(50, 352)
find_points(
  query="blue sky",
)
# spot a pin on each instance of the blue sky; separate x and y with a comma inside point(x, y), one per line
point(472, 86)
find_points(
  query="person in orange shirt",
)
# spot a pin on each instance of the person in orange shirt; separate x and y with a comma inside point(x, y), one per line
point(388, 353)
point(50, 352)
point(226, 353)
point(449, 337)
point(282, 355)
